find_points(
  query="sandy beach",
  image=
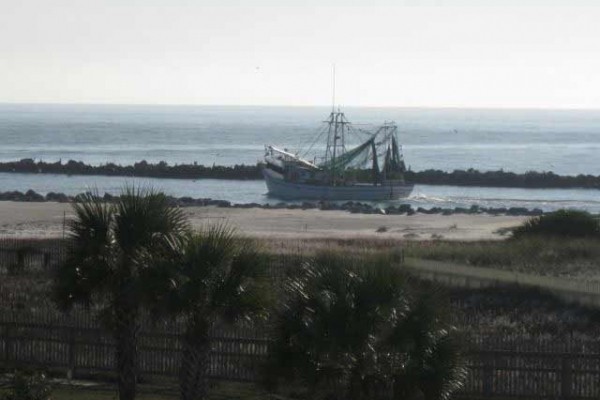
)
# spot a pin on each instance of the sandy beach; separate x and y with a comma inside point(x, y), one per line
point(48, 219)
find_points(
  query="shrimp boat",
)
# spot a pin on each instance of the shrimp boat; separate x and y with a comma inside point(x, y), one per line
point(372, 171)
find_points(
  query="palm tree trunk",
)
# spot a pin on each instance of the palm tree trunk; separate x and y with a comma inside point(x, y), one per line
point(193, 377)
point(126, 341)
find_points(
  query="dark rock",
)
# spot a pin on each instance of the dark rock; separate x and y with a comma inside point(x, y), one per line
point(324, 205)
point(517, 211)
point(474, 209)
point(308, 206)
point(187, 201)
point(57, 197)
point(404, 208)
point(31, 195)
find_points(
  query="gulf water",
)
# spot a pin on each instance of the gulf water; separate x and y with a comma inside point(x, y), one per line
point(563, 141)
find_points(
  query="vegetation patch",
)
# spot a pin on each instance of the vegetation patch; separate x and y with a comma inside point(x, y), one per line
point(552, 256)
point(562, 223)
point(360, 329)
point(27, 385)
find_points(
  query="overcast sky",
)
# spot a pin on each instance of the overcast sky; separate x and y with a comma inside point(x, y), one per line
point(258, 52)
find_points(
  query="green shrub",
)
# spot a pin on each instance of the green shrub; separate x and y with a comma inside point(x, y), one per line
point(564, 223)
point(358, 328)
point(29, 386)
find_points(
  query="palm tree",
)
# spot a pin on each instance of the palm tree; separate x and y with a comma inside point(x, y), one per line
point(112, 245)
point(351, 329)
point(216, 277)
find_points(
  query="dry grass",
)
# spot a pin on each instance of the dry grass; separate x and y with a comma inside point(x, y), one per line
point(553, 257)
point(559, 257)
point(309, 246)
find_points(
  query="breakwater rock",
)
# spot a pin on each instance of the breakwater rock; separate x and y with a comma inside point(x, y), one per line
point(143, 169)
point(349, 206)
point(140, 169)
point(501, 178)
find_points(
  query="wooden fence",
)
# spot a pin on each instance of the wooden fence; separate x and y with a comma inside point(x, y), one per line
point(84, 352)
point(77, 345)
point(19, 256)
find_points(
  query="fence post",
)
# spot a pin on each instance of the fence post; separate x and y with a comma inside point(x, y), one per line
point(46, 261)
point(468, 282)
point(7, 337)
point(71, 362)
point(566, 378)
point(488, 375)
point(21, 253)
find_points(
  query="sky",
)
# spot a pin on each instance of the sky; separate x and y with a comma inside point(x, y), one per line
point(389, 53)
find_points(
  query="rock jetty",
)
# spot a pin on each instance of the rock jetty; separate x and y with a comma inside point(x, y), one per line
point(349, 206)
point(469, 177)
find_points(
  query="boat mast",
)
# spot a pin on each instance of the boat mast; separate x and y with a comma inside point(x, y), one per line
point(332, 118)
point(335, 139)
point(331, 122)
point(336, 136)
point(330, 153)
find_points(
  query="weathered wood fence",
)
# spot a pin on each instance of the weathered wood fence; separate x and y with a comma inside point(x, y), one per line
point(81, 351)
point(30, 255)
point(77, 345)
point(237, 354)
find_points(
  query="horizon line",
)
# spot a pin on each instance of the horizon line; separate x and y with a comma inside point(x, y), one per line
point(425, 107)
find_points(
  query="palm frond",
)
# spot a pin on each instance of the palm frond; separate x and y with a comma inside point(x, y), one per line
point(244, 292)
point(351, 326)
point(145, 218)
point(118, 252)
point(444, 371)
point(90, 230)
point(89, 264)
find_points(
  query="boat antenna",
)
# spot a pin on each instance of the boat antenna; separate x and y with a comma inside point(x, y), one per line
point(333, 89)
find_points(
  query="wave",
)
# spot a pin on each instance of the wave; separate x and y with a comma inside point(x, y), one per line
point(547, 204)
point(422, 197)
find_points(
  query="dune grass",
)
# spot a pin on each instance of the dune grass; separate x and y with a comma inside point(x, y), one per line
point(553, 256)
point(563, 223)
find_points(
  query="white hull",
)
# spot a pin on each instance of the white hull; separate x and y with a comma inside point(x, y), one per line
point(279, 188)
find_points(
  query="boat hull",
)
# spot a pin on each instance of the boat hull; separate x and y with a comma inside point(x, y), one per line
point(281, 189)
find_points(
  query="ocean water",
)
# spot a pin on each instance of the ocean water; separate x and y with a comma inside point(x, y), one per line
point(255, 192)
point(566, 142)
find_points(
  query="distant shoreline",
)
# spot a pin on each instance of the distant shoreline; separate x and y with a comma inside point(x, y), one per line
point(143, 169)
